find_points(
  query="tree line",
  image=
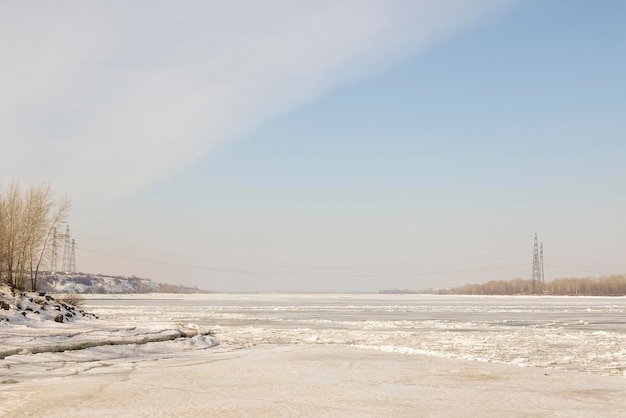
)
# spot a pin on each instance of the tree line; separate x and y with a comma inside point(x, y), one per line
point(28, 220)
point(614, 285)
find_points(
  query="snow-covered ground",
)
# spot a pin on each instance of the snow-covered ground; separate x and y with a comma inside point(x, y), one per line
point(320, 355)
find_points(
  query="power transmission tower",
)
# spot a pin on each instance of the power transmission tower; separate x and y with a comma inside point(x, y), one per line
point(541, 276)
point(53, 258)
point(65, 265)
point(536, 276)
point(73, 257)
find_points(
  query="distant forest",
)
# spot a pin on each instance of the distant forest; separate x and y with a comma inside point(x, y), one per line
point(614, 285)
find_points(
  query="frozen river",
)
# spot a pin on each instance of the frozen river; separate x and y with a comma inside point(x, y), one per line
point(319, 355)
point(575, 333)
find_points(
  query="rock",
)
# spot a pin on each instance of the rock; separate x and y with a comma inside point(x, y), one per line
point(8, 381)
point(59, 318)
point(4, 305)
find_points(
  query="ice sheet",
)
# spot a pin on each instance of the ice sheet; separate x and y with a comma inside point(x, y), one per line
point(320, 355)
point(584, 334)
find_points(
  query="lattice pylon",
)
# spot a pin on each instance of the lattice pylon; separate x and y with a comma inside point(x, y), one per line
point(54, 255)
point(73, 257)
point(536, 273)
point(65, 265)
point(541, 272)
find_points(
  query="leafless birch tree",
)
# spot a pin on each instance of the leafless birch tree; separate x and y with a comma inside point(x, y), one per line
point(27, 223)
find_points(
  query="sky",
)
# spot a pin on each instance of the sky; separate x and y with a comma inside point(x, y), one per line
point(323, 146)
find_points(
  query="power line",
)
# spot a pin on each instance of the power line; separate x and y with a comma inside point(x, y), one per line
point(577, 269)
point(299, 273)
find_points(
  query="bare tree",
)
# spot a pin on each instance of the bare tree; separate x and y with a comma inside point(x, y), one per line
point(43, 216)
point(27, 223)
point(58, 215)
point(12, 207)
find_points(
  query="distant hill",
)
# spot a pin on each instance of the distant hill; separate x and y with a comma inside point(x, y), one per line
point(103, 284)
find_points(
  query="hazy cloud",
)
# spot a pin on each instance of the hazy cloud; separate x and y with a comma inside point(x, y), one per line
point(108, 96)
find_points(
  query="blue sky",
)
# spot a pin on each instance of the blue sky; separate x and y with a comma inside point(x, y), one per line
point(351, 146)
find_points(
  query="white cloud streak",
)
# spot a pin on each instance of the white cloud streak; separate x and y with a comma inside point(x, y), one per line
point(103, 98)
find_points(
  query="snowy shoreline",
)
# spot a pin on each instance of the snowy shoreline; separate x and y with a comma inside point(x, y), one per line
point(38, 329)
